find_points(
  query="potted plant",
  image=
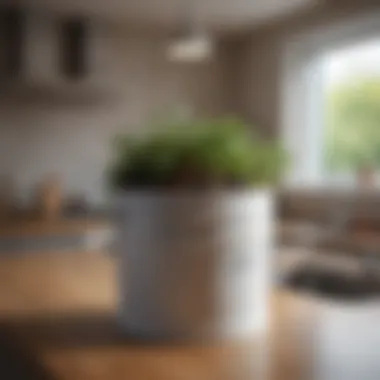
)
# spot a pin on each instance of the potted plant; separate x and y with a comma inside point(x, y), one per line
point(195, 223)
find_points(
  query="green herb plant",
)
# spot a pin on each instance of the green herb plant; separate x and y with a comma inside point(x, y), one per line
point(209, 153)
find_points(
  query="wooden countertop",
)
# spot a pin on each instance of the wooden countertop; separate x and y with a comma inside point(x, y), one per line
point(60, 310)
point(33, 227)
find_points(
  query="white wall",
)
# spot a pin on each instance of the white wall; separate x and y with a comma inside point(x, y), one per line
point(72, 138)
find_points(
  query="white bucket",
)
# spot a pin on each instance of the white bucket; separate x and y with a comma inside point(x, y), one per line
point(195, 265)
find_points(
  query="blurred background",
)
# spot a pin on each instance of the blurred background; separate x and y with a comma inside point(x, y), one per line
point(75, 74)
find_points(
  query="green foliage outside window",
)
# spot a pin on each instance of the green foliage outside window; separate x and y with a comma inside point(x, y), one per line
point(352, 134)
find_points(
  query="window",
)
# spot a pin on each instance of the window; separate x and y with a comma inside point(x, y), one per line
point(351, 144)
point(320, 123)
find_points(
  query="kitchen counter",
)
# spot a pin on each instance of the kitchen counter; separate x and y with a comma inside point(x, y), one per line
point(59, 313)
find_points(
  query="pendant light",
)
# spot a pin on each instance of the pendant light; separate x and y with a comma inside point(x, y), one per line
point(192, 43)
